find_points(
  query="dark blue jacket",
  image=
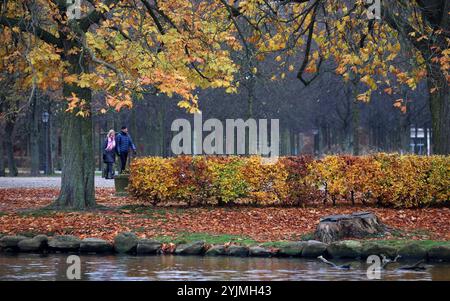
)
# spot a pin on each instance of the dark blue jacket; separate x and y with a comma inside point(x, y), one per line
point(124, 143)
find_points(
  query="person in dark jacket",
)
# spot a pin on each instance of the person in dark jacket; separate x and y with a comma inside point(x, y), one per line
point(123, 144)
point(109, 153)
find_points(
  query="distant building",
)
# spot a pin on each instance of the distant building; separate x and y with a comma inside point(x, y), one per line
point(420, 141)
point(308, 142)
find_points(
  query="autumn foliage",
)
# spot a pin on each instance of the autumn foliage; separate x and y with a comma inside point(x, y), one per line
point(386, 180)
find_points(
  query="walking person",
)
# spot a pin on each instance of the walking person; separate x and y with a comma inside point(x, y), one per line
point(109, 153)
point(123, 144)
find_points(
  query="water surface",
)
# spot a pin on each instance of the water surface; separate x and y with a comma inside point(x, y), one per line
point(94, 267)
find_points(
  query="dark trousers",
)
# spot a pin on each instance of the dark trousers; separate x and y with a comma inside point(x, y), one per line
point(123, 161)
point(109, 170)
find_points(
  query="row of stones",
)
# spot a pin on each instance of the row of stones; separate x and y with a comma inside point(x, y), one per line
point(129, 243)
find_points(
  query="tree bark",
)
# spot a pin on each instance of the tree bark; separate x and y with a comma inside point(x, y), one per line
point(78, 163)
point(355, 128)
point(440, 110)
point(34, 135)
point(2, 157)
point(48, 144)
point(161, 131)
point(9, 128)
point(77, 182)
point(356, 225)
point(2, 150)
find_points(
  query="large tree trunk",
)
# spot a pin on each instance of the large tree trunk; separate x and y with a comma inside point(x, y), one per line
point(78, 163)
point(77, 182)
point(440, 111)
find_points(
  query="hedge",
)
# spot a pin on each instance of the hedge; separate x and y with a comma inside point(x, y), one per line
point(389, 180)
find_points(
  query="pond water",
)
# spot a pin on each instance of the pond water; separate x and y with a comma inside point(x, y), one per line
point(94, 267)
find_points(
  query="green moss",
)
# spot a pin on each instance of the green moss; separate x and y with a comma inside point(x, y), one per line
point(29, 234)
point(37, 213)
point(276, 244)
point(185, 237)
point(402, 234)
point(401, 243)
point(307, 236)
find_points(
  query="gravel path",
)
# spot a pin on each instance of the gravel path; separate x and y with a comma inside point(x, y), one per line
point(39, 182)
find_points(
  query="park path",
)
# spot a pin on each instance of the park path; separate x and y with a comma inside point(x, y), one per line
point(45, 182)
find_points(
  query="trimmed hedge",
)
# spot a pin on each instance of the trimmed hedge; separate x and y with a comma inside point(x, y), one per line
point(388, 180)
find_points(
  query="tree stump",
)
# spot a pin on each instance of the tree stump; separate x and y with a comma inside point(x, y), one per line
point(357, 225)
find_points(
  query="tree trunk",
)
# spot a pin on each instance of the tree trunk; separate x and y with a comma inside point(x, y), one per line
point(2, 157)
point(48, 144)
point(355, 225)
point(161, 131)
point(53, 141)
point(9, 128)
point(404, 133)
point(355, 128)
point(34, 135)
point(2, 149)
point(78, 163)
point(440, 111)
point(77, 182)
point(285, 142)
point(133, 124)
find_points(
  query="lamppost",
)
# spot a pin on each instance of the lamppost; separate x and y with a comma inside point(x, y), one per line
point(45, 118)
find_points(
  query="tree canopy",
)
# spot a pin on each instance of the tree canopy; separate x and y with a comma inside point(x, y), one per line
point(122, 50)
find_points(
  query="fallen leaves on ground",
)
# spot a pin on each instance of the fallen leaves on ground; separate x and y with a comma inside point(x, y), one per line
point(261, 224)
point(17, 199)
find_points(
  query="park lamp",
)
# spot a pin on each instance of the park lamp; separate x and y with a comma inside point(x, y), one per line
point(45, 117)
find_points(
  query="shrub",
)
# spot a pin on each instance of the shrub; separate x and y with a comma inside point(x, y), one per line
point(266, 182)
point(152, 179)
point(389, 180)
point(411, 181)
point(360, 175)
point(300, 191)
point(439, 180)
point(329, 174)
point(192, 180)
point(228, 183)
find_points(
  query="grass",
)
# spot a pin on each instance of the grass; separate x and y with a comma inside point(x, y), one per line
point(151, 212)
point(275, 244)
point(37, 213)
point(405, 234)
point(400, 243)
point(185, 237)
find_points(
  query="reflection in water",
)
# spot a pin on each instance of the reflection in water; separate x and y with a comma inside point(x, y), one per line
point(53, 267)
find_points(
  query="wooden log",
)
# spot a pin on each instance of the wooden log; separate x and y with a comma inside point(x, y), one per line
point(356, 225)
